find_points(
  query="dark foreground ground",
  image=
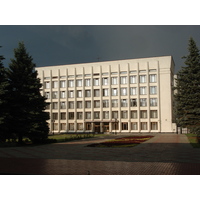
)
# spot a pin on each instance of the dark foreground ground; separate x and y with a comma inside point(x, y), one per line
point(165, 154)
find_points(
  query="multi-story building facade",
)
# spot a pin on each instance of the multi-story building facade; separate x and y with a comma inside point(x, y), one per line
point(123, 96)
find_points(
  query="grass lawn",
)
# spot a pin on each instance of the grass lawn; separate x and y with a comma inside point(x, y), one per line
point(129, 141)
point(193, 138)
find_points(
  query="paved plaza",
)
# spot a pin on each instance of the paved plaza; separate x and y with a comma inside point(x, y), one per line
point(164, 154)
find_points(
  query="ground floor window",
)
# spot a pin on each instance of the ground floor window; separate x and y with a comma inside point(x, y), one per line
point(124, 125)
point(79, 126)
point(134, 126)
point(154, 126)
point(63, 126)
point(143, 125)
point(88, 126)
point(71, 126)
point(55, 126)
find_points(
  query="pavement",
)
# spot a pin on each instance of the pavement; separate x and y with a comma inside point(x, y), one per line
point(164, 154)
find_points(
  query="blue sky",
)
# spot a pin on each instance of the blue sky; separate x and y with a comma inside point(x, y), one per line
point(57, 45)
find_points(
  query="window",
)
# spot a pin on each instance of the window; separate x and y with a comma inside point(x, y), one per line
point(47, 95)
point(115, 125)
point(71, 104)
point(55, 116)
point(153, 114)
point(71, 94)
point(62, 94)
point(97, 104)
point(143, 102)
point(124, 103)
point(143, 114)
point(71, 83)
point(88, 126)
point(63, 126)
point(96, 81)
point(87, 82)
point(124, 126)
point(134, 114)
point(114, 73)
point(114, 81)
point(104, 81)
point(79, 75)
point(143, 125)
point(79, 115)
point(79, 126)
point(143, 90)
point(123, 72)
point(61, 77)
point(105, 103)
point(71, 126)
point(55, 84)
point(124, 114)
point(79, 104)
point(153, 101)
point(105, 114)
point(105, 93)
point(79, 93)
point(154, 126)
point(47, 85)
point(71, 115)
point(62, 105)
point(133, 79)
point(87, 104)
point(55, 105)
point(87, 93)
point(79, 83)
point(62, 115)
point(47, 106)
point(96, 93)
point(114, 114)
point(153, 90)
point(54, 95)
point(88, 115)
point(133, 91)
point(134, 126)
point(62, 84)
point(115, 103)
point(96, 115)
point(123, 91)
point(123, 79)
point(142, 78)
point(114, 91)
point(152, 78)
point(133, 102)
point(55, 126)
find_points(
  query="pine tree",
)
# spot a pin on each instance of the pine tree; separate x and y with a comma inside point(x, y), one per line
point(27, 105)
point(188, 91)
point(4, 108)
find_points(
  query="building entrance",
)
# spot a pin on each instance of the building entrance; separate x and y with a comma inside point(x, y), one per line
point(106, 127)
point(97, 127)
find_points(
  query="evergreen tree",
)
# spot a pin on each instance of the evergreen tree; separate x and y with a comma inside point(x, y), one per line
point(27, 105)
point(4, 108)
point(188, 91)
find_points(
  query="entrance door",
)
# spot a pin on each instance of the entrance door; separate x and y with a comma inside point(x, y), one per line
point(105, 127)
point(97, 127)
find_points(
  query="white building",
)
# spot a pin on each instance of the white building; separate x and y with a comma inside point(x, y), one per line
point(123, 96)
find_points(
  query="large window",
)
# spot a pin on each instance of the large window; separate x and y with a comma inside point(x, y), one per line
point(134, 114)
point(115, 103)
point(134, 126)
point(87, 104)
point(114, 114)
point(87, 82)
point(142, 78)
point(96, 93)
point(96, 115)
point(97, 104)
point(71, 104)
point(114, 81)
point(133, 91)
point(133, 79)
point(124, 103)
point(55, 116)
point(124, 126)
point(123, 91)
point(54, 95)
point(96, 81)
point(62, 115)
point(79, 93)
point(88, 115)
point(79, 126)
point(133, 102)
point(153, 114)
point(71, 115)
point(124, 114)
point(114, 91)
point(105, 114)
point(143, 114)
point(47, 95)
point(153, 101)
point(79, 115)
point(152, 78)
point(79, 83)
point(154, 126)
point(63, 126)
point(153, 90)
point(62, 84)
point(55, 84)
point(62, 104)
point(87, 93)
point(143, 90)
point(71, 126)
point(143, 125)
point(104, 81)
point(71, 83)
point(123, 79)
point(55, 105)
point(105, 103)
point(143, 102)
point(62, 94)
point(79, 104)
point(71, 94)
point(105, 93)
point(47, 85)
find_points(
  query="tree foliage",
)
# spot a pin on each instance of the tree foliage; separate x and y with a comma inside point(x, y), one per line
point(188, 90)
point(27, 106)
